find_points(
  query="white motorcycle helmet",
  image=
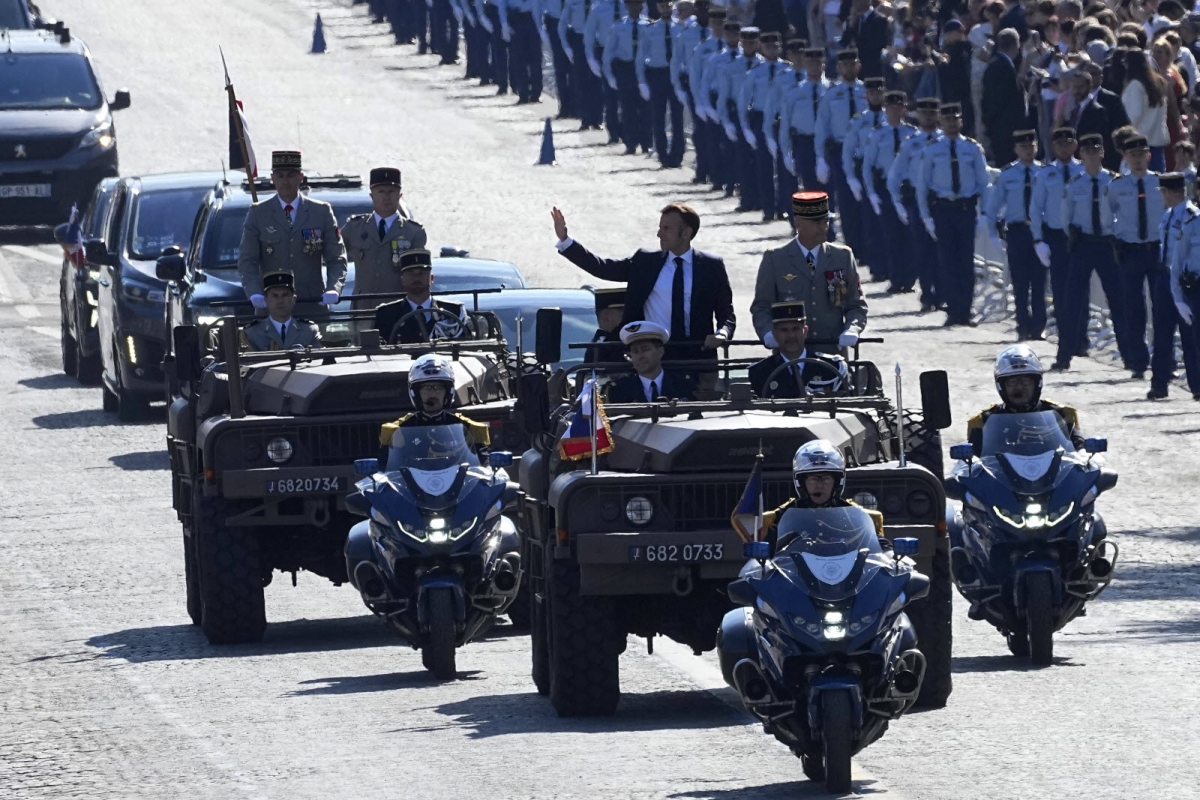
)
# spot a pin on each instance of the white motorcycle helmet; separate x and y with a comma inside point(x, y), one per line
point(818, 456)
point(1018, 360)
point(431, 367)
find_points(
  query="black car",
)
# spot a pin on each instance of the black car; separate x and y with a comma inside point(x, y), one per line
point(79, 292)
point(57, 139)
point(18, 15)
point(148, 215)
point(578, 308)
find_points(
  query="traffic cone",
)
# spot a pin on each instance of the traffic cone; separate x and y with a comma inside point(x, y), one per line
point(318, 44)
point(547, 156)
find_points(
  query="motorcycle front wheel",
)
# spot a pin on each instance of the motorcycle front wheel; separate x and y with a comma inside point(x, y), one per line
point(837, 726)
point(438, 652)
point(1039, 617)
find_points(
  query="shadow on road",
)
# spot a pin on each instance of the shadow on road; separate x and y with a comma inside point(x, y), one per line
point(780, 790)
point(1003, 663)
point(95, 418)
point(150, 460)
point(186, 642)
point(34, 234)
point(59, 381)
point(355, 684)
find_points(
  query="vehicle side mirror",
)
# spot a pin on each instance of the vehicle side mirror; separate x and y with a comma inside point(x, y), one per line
point(935, 399)
point(548, 336)
point(906, 546)
point(740, 593)
point(533, 403)
point(500, 458)
point(171, 265)
point(1106, 481)
point(760, 551)
point(95, 251)
point(121, 100)
point(1096, 444)
point(917, 586)
point(186, 344)
point(962, 452)
point(364, 467)
point(954, 488)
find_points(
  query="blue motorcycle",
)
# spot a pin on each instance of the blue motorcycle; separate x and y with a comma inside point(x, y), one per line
point(437, 559)
point(1028, 549)
point(821, 650)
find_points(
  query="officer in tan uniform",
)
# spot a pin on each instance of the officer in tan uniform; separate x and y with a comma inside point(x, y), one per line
point(821, 275)
point(292, 233)
point(375, 241)
point(280, 330)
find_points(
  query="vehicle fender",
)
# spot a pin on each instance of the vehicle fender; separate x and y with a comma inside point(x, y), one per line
point(829, 682)
point(440, 580)
point(358, 547)
point(1028, 565)
point(736, 641)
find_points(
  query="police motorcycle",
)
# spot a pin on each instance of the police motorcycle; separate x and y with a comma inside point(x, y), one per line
point(821, 650)
point(436, 559)
point(1028, 549)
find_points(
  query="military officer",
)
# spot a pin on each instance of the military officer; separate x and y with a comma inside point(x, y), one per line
point(1184, 260)
point(655, 54)
point(416, 276)
point(882, 148)
point(585, 85)
point(650, 383)
point(292, 233)
point(820, 274)
point(1180, 211)
point(854, 149)
point(758, 130)
point(610, 305)
point(600, 19)
point(729, 90)
point(620, 53)
point(901, 185)
point(818, 374)
point(375, 241)
point(521, 29)
point(1089, 220)
point(710, 32)
point(1136, 204)
point(1010, 201)
point(1046, 221)
point(953, 176)
point(841, 103)
point(798, 124)
point(280, 330)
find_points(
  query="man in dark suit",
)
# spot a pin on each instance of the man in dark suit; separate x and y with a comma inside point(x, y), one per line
point(684, 290)
point(790, 329)
point(610, 306)
point(871, 33)
point(1004, 108)
point(416, 276)
point(1097, 110)
point(650, 382)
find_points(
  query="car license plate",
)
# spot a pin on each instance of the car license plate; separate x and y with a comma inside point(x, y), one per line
point(306, 485)
point(26, 190)
point(676, 553)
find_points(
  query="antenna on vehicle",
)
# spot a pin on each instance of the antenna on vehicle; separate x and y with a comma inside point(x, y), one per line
point(224, 177)
point(900, 416)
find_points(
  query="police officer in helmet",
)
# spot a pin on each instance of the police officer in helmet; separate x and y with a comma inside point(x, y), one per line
point(431, 388)
point(1018, 374)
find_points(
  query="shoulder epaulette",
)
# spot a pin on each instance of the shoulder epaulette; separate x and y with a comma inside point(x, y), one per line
point(388, 430)
point(1068, 413)
point(478, 432)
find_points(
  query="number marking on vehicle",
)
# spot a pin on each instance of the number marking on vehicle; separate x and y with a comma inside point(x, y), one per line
point(676, 553)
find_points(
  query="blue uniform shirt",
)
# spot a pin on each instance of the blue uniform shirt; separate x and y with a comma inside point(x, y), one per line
point(758, 87)
point(1010, 197)
point(531, 6)
point(1123, 200)
point(714, 72)
point(835, 111)
point(1185, 252)
point(1083, 193)
point(854, 146)
point(1049, 186)
point(729, 89)
point(773, 110)
point(552, 8)
point(574, 16)
point(652, 47)
point(882, 148)
point(801, 104)
point(907, 165)
point(937, 171)
point(600, 21)
point(624, 39)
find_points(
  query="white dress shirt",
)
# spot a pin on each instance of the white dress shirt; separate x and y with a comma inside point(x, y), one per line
point(658, 379)
point(804, 252)
point(387, 221)
point(295, 204)
point(279, 325)
point(658, 304)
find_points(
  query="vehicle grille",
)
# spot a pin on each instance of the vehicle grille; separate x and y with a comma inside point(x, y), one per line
point(42, 148)
point(322, 445)
point(694, 506)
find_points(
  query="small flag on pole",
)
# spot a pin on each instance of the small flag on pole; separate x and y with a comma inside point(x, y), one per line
point(576, 441)
point(72, 243)
point(236, 159)
point(748, 518)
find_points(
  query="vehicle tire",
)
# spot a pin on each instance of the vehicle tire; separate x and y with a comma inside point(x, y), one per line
point(437, 654)
point(520, 610)
point(231, 578)
point(131, 408)
point(110, 400)
point(1018, 644)
point(931, 618)
point(814, 768)
point(538, 645)
point(922, 444)
point(191, 577)
point(837, 726)
point(585, 645)
point(70, 350)
point(1039, 617)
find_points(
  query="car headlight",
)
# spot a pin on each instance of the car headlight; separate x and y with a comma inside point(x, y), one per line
point(131, 347)
point(142, 294)
point(279, 450)
point(639, 510)
point(101, 136)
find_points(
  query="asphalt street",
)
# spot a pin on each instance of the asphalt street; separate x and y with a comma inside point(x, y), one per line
point(106, 691)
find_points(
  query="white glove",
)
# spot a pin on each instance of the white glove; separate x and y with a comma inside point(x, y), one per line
point(752, 140)
point(1043, 253)
point(644, 91)
point(594, 66)
point(708, 113)
point(569, 53)
point(789, 164)
point(681, 96)
point(822, 171)
point(901, 212)
point(848, 339)
point(855, 187)
point(470, 17)
point(730, 132)
point(487, 24)
point(1185, 313)
point(876, 204)
point(458, 15)
point(929, 226)
point(769, 340)
point(329, 298)
point(506, 33)
point(258, 300)
point(772, 147)
point(613, 84)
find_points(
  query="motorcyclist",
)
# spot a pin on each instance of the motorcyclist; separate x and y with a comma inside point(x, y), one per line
point(431, 387)
point(1018, 374)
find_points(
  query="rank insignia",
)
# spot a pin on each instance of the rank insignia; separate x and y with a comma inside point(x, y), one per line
point(270, 249)
point(789, 277)
point(271, 229)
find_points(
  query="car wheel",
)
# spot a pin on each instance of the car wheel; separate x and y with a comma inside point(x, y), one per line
point(233, 607)
point(931, 618)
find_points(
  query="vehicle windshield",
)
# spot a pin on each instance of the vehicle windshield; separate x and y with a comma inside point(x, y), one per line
point(829, 550)
point(452, 280)
point(161, 220)
point(47, 81)
point(1028, 434)
point(430, 448)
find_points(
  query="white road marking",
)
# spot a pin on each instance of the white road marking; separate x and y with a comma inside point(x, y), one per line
point(51, 333)
point(12, 290)
point(28, 312)
point(35, 254)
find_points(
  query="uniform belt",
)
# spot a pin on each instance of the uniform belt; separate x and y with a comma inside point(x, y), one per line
point(1138, 245)
point(516, 12)
point(961, 203)
point(1091, 237)
point(804, 135)
point(1018, 224)
point(753, 113)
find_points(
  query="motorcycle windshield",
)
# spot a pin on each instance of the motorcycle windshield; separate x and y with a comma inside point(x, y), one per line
point(433, 451)
point(1025, 446)
point(834, 552)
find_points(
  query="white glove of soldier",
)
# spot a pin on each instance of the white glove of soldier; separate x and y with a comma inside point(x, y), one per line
point(487, 24)
point(929, 226)
point(506, 33)
point(613, 84)
point(458, 14)
point(681, 96)
point(258, 300)
point(594, 66)
point(789, 164)
point(752, 140)
point(644, 91)
point(901, 212)
point(769, 340)
point(876, 204)
point(730, 132)
point(1043, 253)
point(1185, 313)
point(848, 339)
point(570, 53)
point(772, 147)
point(855, 187)
point(822, 171)
point(329, 298)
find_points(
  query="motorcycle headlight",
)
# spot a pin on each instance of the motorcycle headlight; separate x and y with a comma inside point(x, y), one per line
point(101, 136)
point(461, 530)
point(833, 625)
point(279, 450)
point(418, 532)
point(639, 511)
point(1035, 517)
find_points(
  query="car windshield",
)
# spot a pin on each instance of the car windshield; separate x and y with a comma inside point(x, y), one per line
point(47, 81)
point(450, 280)
point(430, 448)
point(1025, 434)
point(161, 220)
point(223, 237)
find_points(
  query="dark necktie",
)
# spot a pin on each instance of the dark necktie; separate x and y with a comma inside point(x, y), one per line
point(667, 38)
point(816, 99)
point(955, 180)
point(634, 23)
point(283, 332)
point(1141, 210)
point(616, 11)
point(895, 142)
point(382, 229)
point(1028, 193)
point(1166, 235)
point(875, 124)
point(1096, 206)
point(771, 73)
point(288, 211)
point(1066, 174)
point(808, 257)
point(853, 105)
point(653, 391)
point(421, 322)
point(678, 312)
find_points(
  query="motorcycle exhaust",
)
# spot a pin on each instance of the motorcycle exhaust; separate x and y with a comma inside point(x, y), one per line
point(906, 682)
point(960, 567)
point(370, 582)
point(751, 683)
point(507, 571)
point(1100, 568)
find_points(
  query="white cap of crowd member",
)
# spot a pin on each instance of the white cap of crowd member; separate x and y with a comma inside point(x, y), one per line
point(1097, 50)
point(637, 331)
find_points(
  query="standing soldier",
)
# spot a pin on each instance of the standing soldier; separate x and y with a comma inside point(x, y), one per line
point(1184, 260)
point(901, 183)
point(820, 274)
point(572, 26)
point(443, 27)
point(552, 11)
point(798, 125)
point(1046, 220)
point(475, 38)
point(375, 241)
point(292, 233)
point(883, 147)
point(600, 20)
point(711, 42)
point(757, 129)
point(620, 52)
point(655, 55)
point(1089, 224)
point(690, 29)
point(854, 149)
point(521, 28)
point(1010, 201)
point(1179, 213)
point(720, 155)
point(792, 72)
point(495, 45)
point(953, 176)
point(729, 92)
point(841, 103)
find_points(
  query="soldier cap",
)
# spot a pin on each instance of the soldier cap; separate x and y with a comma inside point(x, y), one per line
point(1091, 140)
point(895, 98)
point(814, 52)
point(1063, 135)
point(790, 311)
point(385, 176)
point(810, 205)
point(1171, 181)
point(285, 160)
point(928, 104)
point(874, 84)
point(610, 298)
point(849, 54)
point(950, 109)
point(770, 37)
point(797, 46)
point(281, 278)
point(716, 13)
point(1136, 142)
point(732, 27)
point(640, 331)
point(749, 32)
point(1024, 137)
point(418, 258)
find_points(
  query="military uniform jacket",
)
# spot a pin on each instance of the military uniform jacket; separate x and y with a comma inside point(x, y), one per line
point(675, 386)
point(786, 384)
point(598, 355)
point(377, 262)
point(416, 329)
point(263, 335)
point(271, 243)
point(477, 433)
point(831, 292)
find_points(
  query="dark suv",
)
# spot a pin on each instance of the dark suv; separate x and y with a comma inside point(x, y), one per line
point(57, 139)
point(79, 292)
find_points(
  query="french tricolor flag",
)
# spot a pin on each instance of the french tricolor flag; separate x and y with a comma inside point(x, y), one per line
point(72, 243)
point(588, 415)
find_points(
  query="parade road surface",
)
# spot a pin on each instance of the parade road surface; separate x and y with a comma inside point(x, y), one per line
point(106, 690)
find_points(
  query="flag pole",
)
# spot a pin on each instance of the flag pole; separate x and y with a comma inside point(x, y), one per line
point(595, 419)
point(758, 523)
point(235, 116)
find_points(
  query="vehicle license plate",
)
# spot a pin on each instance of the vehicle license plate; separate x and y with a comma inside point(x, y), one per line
point(305, 485)
point(676, 553)
point(26, 190)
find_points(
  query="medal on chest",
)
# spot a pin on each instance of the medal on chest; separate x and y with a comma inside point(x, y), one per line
point(314, 240)
point(835, 287)
point(395, 253)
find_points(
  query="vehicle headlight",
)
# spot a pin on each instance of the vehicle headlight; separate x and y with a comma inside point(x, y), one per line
point(131, 346)
point(461, 530)
point(1035, 517)
point(639, 510)
point(143, 294)
point(101, 135)
point(919, 504)
point(867, 500)
point(419, 533)
point(279, 450)
point(833, 625)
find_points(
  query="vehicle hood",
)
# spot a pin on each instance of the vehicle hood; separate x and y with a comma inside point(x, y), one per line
point(57, 122)
point(217, 291)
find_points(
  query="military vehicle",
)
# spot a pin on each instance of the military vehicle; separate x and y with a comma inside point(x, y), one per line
point(642, 543)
